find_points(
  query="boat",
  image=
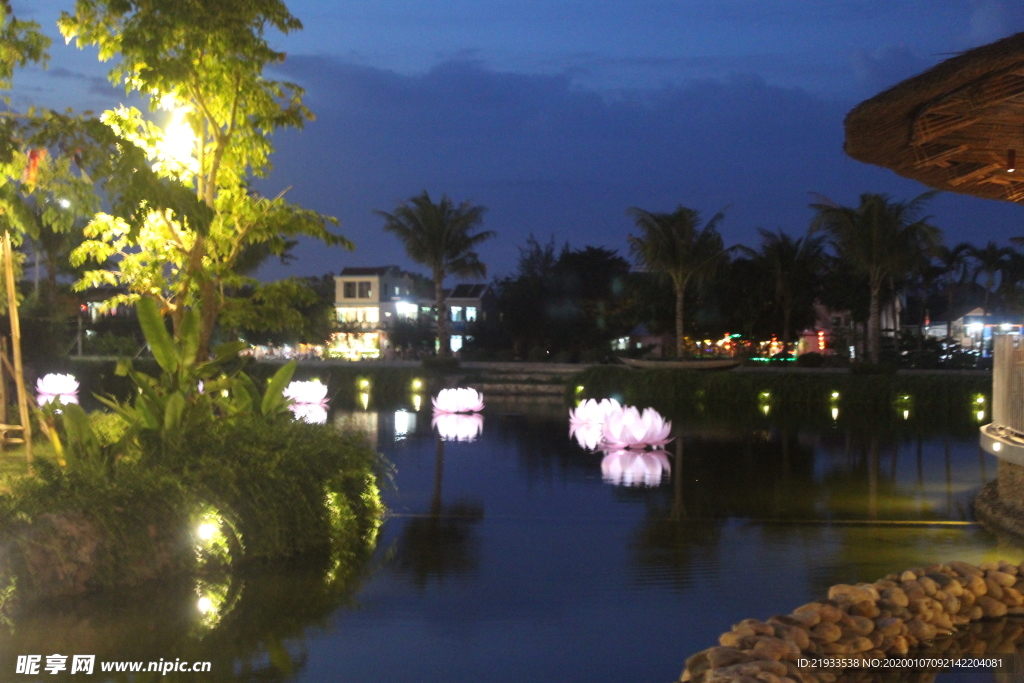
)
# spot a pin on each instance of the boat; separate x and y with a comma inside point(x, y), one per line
point(720, 364)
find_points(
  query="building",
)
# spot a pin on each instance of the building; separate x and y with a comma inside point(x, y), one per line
point(468, 306)
point(368, 302)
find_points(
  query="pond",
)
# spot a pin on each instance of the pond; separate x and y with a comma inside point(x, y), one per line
point(516, 556)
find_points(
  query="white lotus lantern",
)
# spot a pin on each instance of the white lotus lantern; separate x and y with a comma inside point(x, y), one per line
point(635, 468)
point(458, 401)
point(628, 428)
point(306, 392)
point(313, 413)
point(586, 422)
point(57, 387)
point(458, 426)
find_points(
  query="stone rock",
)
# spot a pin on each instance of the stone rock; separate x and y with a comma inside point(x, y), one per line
point(826, 632)
point(964, 569)
point(976, 585)
point(770, 647)
point(908, 575)
point(862, 626)
point(896, 596)
point(720, 657)
point(1012, 597)
point(991, 607)
point(1003, 579)
point(929, 586)
point(920, 630)
point(865, 608)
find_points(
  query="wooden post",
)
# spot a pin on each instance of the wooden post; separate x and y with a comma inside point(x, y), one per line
point(19, 373)
point(3, 383)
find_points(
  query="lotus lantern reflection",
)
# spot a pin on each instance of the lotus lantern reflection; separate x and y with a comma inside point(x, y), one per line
point(458, 426)
point(309, 401)
point(458, 401)
point(57, 387)
point(628, 428)
point(635, 468)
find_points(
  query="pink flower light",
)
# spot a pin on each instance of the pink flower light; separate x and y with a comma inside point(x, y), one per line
point(313, 413)
point(629, 428)
point(635, 468)
point(56, 387)
point(306, 392)
point(458, 401)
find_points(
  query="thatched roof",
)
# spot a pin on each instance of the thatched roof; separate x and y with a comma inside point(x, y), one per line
point(951, 127)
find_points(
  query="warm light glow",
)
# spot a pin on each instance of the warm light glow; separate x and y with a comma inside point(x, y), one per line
point(417, 402)
point(458, 401)
point(364, 400)
point(404, 309)
point(821, 340)
point(996, 446)
point(906, 414)
point(64, 203)
point(313, 413)
point(205, 605)
point(835, 413)
point(979, 399)
point(176, 149)
point(766, 408)
point(981, 415)
point(417, 384)
point(206, 531)
point(404, 423)
point(835, 395)
point(355, 345)
point(364, 385)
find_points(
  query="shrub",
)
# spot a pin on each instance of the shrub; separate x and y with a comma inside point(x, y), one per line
point(441, 364)
point(810, 360)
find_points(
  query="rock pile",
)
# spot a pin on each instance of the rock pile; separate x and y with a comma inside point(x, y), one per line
point(896, 615)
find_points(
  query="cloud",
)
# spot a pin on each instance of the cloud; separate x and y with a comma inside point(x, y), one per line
point(549, 158)
point(884, 68)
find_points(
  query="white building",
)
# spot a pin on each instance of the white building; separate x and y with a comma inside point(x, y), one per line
point(368, 302)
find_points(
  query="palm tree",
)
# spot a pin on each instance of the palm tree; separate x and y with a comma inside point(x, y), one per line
point(442, 237)
point(882, 238)
point(990, 260)
point(671, 243)
point(953, 266)
point(793, 268)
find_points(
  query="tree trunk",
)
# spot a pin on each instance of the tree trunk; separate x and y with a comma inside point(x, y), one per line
point(443, 344)
point(874, 324)
point(787, 334)
point(680, 298)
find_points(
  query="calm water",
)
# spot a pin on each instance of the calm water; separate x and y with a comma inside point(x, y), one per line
point(511, 558)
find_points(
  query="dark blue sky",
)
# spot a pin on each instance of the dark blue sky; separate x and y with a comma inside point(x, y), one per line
point(558, 115)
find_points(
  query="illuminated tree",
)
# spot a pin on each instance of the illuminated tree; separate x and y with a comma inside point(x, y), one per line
point(673, 244)
point(442, 237)
point(203, 61)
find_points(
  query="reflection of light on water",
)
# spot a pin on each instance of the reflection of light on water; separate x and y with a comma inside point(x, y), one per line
point(981, 415)
point(766, 408)
point(417, 402)
point(405, 422)
point(587, 435)
point(313, 413)
point(906, 414)
point(835, 413)
point(458, 426)
point(364, 399)
point(635, 468)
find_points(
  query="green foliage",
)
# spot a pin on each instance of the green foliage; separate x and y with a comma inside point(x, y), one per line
point(206, 62)
point(286, 484)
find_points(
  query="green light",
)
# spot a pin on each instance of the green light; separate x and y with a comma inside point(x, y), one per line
point(579, 389)
point(364, 384)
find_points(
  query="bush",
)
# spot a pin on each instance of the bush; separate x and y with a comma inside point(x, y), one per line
point(810, 360)
point(288, 487)
point(441, 364)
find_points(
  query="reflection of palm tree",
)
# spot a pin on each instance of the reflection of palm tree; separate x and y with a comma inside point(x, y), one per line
point(440, 543)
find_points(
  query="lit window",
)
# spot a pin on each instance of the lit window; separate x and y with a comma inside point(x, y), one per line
point(350, 290)
point(405, 309)
point(364, 290)
point(361, 314)
point(456, 313)
point(456, 342)
point(470, 314)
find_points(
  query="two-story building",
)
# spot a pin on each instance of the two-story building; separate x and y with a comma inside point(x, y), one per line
point(468, 305)
point(368, 302)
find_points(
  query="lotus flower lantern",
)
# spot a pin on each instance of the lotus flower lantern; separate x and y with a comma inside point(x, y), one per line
point(57, 387)
point(635, 468)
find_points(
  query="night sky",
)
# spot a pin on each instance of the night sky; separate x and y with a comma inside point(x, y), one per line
point(558, 115)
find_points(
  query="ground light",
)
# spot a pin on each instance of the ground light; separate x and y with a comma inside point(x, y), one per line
point(764, 402)
point(417, 384)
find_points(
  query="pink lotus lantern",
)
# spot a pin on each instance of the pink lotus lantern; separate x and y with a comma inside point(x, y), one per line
point(635, 468)
point(586, 422)
point(458, 401)
point(56, 387)
point(314, 413)
point(628, 428)
point(458, 426)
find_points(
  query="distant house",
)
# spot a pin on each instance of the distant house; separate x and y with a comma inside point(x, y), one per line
point(468, 306)
point(368, 302)
point(971, 328)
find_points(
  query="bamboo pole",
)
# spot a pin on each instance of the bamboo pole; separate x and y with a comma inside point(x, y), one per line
point(19, 373)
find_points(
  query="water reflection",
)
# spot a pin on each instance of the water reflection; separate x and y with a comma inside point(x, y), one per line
point(458, 427)
point(635, 468)
point(440, 544)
